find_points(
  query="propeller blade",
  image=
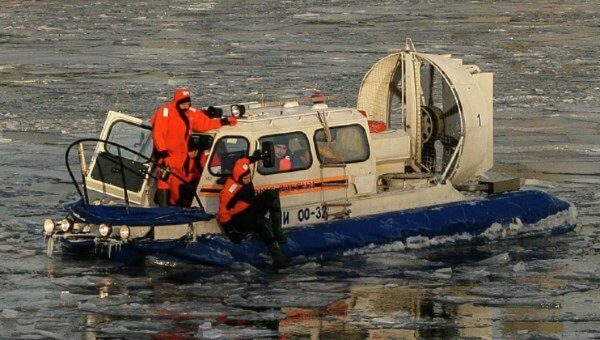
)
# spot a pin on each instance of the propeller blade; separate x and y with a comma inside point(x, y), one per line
point(450, 112)
point(431, 79)
point(396, 91)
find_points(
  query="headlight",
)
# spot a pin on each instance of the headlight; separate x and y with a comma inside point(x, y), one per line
point(124, 232)
point(49, 226)
point(66, 225)
point(86, 229)
point(105, 230)
point(78, 227)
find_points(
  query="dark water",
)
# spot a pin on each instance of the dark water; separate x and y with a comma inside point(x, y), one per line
point(63, 65)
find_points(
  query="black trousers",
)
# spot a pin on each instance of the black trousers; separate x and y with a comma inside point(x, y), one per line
point(254, 220)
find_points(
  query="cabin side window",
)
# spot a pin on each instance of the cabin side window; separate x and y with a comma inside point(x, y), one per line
point(292, 153)
point(226, 152)
point(349, 144)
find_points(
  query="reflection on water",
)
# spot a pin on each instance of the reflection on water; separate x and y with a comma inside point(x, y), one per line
point(430, 310)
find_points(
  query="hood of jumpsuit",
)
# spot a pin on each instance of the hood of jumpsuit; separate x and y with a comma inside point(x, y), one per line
point(182, 95)
point(240, 169)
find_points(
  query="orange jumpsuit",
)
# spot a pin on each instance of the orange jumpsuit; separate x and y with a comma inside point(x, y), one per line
point(230, 189)
point(171, 129)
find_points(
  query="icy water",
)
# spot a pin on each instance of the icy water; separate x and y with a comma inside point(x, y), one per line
point(64, 64)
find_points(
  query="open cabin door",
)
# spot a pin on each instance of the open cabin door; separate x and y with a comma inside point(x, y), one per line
point(114, 169)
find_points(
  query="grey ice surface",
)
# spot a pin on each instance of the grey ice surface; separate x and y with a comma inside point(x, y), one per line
point(64, 64)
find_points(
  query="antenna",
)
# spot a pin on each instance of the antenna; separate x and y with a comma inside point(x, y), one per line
point(409, 46)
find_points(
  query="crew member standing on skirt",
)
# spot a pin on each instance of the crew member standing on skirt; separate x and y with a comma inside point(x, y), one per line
point(243, 211)
point(172, 125)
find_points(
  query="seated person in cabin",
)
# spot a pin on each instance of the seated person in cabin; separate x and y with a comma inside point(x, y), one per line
point(283, 160)
point(300, 153)
point(243, 211)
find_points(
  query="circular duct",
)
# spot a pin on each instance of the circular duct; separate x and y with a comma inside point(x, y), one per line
point(444, 106)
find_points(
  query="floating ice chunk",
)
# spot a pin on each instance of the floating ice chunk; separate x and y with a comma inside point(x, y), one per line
point(401, 315)
point(579, 287)
point(498, 259)
point(27, 252)
point(9, 313)
point(372, 249)
point(474, 275)
point(521, 303)
point(515, 228)
point(87, 306)
point(9, 237)
point(48, 335)
point(464, 237)
point(494, 231)
point(519, 268)
point(572, 219)
point(417, 242)
point(439, 240)
point(306, 15)
point(443, 273)
point(385, 320)
point(6, 248)
point(538, 183)
point(203, 328)
point(211, 334)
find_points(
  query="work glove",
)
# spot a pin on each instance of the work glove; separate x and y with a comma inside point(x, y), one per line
point(214, 112)
point(229, 121)
point(162, 154)
point(256, 156)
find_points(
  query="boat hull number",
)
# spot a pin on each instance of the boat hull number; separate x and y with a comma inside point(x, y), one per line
point(303, 215)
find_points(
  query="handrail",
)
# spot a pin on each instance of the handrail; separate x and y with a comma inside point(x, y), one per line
point(84, 195)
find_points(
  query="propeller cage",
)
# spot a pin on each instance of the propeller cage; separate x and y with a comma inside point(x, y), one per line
point(444, 106)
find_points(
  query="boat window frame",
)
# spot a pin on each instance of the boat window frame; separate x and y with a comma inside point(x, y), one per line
point(365, 135)
point(310, 164)
point(213, 149)
point(109, 133)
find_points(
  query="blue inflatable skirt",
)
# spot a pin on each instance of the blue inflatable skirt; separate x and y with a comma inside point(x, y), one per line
point(331, 239)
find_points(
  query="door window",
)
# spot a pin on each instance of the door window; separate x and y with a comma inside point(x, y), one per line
point(132, 136)
point(226, 152)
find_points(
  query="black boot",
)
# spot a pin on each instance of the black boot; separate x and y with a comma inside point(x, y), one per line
point(275, 216)
point(162, 197)
point(276, 226)
point(279, 260)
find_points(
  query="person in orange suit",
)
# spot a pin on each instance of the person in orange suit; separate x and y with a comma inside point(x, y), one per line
point(243, 211)
point(172, 125)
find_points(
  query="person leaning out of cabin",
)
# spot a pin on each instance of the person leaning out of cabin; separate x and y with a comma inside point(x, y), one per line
point(172, 125)
point(283, 161)
point(243, 211)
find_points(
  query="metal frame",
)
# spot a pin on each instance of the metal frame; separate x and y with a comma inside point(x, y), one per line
point(84, 194)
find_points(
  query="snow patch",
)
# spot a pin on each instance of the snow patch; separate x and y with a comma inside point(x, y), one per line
point(9, 314)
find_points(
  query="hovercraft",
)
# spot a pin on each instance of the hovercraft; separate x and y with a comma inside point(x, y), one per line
point(409, 165)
